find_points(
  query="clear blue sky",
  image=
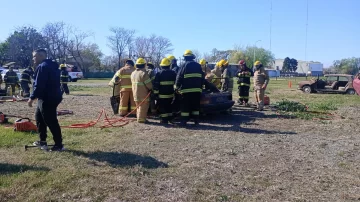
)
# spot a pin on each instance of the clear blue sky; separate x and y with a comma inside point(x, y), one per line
point(333, 30)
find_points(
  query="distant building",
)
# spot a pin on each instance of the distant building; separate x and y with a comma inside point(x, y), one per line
point(309, 68)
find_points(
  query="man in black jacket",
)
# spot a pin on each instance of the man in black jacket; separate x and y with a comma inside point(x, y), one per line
point(25, 80)
point(189, 83)
point(47, 92)
point(164, 90)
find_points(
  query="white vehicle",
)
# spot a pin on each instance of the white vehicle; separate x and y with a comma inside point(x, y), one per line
point(74, 76)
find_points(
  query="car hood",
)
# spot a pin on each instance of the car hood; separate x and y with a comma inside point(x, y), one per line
point(309, 82)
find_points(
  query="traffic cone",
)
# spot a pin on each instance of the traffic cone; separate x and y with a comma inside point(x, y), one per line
point(289, 84)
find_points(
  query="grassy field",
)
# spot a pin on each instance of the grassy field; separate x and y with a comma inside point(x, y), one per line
point(242, 156)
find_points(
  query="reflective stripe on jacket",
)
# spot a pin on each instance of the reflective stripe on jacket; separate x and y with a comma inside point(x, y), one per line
point(190, 78)
point(124, 75)
point(141, 84)
point(164, 83)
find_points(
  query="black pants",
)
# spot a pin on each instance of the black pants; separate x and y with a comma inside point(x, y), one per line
point(244, 94)
point(64, 88)
point(25, 87)
point(176, 103)
point(190, 106)
point(12, 87)
point(165, 108)
point(46, 116)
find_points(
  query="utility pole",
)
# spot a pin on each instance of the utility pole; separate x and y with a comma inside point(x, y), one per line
point(270, 21)
point(306, 33)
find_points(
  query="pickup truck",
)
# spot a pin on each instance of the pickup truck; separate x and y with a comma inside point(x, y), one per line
point(74, 74)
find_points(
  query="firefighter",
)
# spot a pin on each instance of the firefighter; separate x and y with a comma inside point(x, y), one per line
point(261, 80)
point(126, 92)
point(217, 74)
point(164, 90)
point(244, 74)
point(141, 86)
point(151, 72)
point(174, 65)
point(204, 67)
point(64, 78)
point(11, 80)
point(25, 80)
point(189, 83)
point(227, 81)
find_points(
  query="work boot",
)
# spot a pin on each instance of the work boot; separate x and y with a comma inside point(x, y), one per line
point(57, 148)
point(41, 144)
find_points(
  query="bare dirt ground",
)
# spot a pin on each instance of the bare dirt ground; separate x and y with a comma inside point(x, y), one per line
point(243, 156)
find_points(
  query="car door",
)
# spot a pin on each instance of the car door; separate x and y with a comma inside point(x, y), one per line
point(330, 81)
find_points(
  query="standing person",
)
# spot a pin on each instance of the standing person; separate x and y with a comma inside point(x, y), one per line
point(261, 80)
point(189, 83)
point(25, 80)
point(244, 74)
point(174, 65)
point(64, 80)
point(217, 73)
point(141, 86)
point(151, 72)
point(227, 81)
point(1, 81)
point(47, 92)
point(11, 79)
point(126, 92)
point(164, 89)
point(204, 67)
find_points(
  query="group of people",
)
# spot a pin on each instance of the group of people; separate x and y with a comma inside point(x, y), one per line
point(173, 87)
point(12, 80)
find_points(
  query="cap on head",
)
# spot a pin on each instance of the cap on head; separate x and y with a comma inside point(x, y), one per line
point(257, 63)
point(129, 62)
point(165, 62)
point(202, 62)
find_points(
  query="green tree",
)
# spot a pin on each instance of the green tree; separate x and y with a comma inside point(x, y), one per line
point(293, 65)
point(347, 65)
point(286, 65)
point(4, 46)
point(247, 54)
point(22, 43)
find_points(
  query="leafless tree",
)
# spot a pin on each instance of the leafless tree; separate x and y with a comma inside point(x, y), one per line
point(76, 46)
point(56, 35)
point(120, 39)
point(197, 54)
point(162, 46)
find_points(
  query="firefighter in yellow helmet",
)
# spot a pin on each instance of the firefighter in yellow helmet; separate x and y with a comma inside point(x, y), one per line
point(141, 87)
point(64, 78)
point(150, 68)
point(189, 83)
point(227, 81)
point(126, 92)
point(204, 67)
point(217, 74)
point(261, 80)
point(164, 89)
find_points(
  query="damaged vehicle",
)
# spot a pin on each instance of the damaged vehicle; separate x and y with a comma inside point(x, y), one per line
point(332, 83)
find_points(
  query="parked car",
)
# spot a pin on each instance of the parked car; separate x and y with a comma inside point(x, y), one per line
point(74, 74)
point(332, 83)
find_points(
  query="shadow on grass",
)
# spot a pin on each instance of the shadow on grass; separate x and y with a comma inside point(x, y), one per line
point(121, 159)
point(6, 168)
point(232, 122)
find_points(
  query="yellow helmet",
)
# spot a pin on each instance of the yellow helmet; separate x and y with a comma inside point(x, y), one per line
point(140, 61)
point(257, 63)
point(221, 62)
point(188, 53)
point(165, 62)
point(203, 62)
point(62, 65)
point(171, 57)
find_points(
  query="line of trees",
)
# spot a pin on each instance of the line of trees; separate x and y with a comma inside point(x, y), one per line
point(64, 42)
point(345, 66)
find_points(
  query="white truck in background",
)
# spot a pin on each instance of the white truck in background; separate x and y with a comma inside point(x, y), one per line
point(74, 73)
